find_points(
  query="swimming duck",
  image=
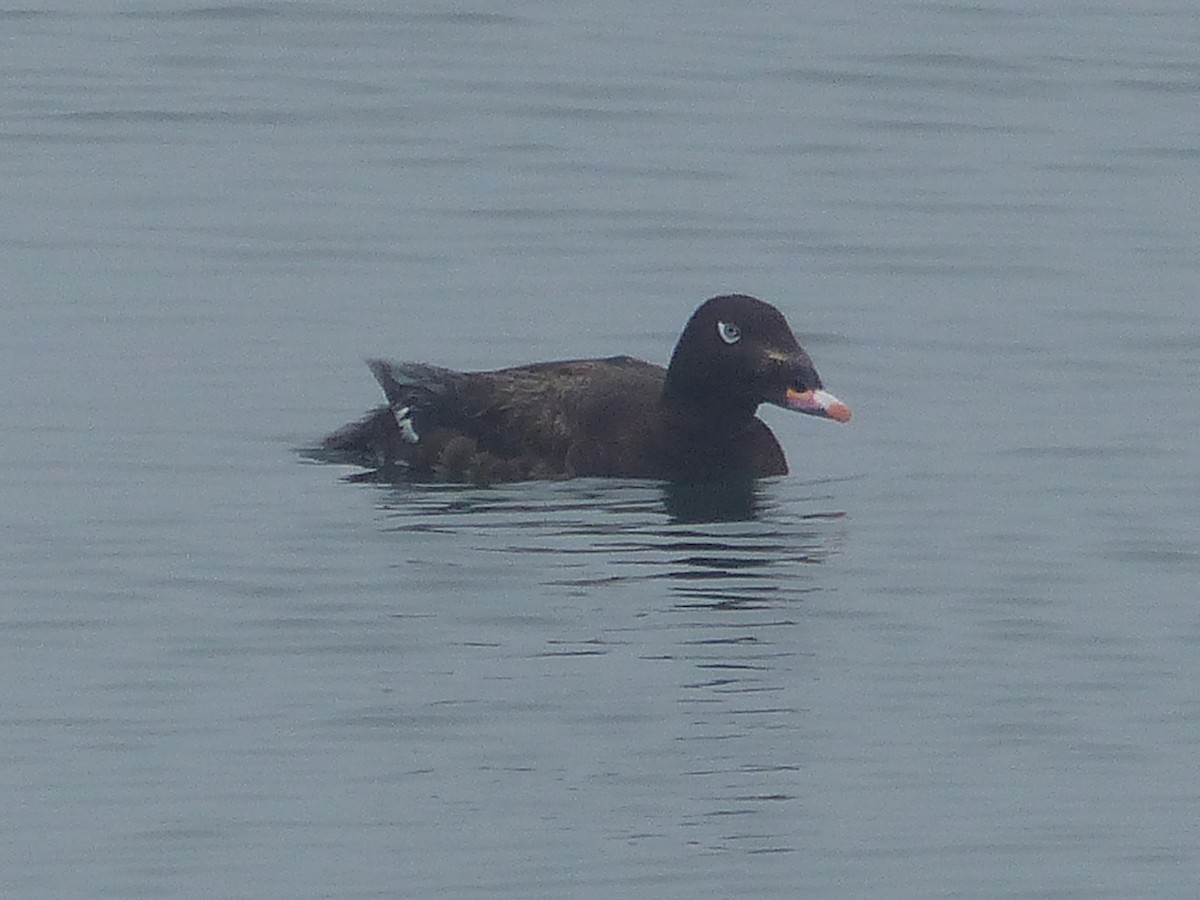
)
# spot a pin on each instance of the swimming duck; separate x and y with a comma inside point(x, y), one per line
point(692, 421)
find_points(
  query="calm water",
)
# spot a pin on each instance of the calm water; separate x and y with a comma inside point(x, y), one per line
point(955, 653)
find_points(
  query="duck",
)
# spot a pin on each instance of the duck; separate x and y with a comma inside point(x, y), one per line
point(693, 421)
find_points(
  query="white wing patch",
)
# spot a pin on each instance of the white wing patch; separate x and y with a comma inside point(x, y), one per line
point(404, 422)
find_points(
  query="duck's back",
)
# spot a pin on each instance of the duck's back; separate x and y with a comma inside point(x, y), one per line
point(546, 420)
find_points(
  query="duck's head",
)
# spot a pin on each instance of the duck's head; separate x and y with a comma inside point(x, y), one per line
point(737, 352)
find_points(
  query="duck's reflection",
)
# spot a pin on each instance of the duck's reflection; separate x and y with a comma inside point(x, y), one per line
point(732, 500)
point(724, 544)
point(612, 602)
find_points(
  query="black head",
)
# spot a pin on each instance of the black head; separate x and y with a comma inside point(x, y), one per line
point(737, 352)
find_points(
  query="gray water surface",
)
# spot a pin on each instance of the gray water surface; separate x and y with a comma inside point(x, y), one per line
point(954, 653)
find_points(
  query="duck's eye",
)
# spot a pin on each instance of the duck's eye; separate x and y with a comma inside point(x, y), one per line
point(729, 332)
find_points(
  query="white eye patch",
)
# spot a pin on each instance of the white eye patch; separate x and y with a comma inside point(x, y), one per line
point(729, 332)
point(403, 417)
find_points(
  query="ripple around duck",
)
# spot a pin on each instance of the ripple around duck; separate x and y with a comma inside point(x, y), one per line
point(590, 536)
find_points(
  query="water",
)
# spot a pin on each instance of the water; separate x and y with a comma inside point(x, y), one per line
point(953, 654)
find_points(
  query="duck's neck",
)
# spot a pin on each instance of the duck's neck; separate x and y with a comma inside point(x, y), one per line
point(706, 420)
point(705, 414)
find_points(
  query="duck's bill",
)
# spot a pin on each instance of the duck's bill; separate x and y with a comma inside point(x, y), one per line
point(817, 403)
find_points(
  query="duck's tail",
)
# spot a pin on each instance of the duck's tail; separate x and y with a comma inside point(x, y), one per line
point(387, 435)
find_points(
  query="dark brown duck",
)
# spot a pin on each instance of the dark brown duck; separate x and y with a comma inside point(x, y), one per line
point(693, 421)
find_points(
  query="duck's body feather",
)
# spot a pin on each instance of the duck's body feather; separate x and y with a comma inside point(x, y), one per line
point(603, 417)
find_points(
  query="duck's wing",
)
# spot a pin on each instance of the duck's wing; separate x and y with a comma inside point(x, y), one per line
point(573, 417)
point(539, 421)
